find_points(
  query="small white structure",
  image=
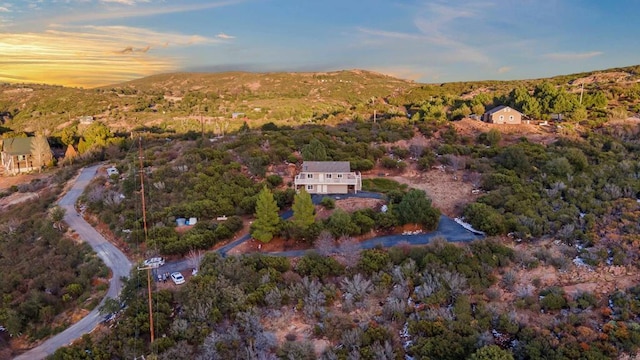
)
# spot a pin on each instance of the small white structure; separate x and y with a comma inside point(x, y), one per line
point(112, 171)
point(192, 221)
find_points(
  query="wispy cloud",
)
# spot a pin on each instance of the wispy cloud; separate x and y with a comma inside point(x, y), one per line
point(90, 55)
point(504, 69)
point(435, 35)
point(124, 2)
point(4, 9)
point(225, 36)
point(85, 17)
point(572, 55)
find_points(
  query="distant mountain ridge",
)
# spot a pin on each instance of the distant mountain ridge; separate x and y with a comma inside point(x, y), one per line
point(179, 100)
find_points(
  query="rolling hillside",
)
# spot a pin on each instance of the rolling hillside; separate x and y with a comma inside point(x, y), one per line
point(222, 101)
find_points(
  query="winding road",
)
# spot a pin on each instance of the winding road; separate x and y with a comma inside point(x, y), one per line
point(118, 263)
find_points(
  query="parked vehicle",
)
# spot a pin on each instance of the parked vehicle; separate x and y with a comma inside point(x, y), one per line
point(154, 262)
point(108, 318)
point(177, 278)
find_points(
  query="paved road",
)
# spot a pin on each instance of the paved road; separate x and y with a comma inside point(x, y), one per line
point(447, 228)
point(118, 263)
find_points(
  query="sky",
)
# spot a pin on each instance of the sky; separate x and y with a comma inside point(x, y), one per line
point(90, 43)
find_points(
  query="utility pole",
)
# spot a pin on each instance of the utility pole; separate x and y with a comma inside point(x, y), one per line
point(201, 121)
point(144, 210)
point(144, 222)
point(148, 268)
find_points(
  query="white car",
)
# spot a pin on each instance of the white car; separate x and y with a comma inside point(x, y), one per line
point(154, 262)
point(177, 278)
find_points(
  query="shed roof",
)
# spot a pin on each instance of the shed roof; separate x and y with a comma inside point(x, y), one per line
point(326, 166)
point(17, 146)
point(499, 108)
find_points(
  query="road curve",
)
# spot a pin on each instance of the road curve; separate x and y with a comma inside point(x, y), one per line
point(116, 261)
point(447, 229)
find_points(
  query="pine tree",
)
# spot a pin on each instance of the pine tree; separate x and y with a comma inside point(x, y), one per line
point(415, 208)
point(314, 151)
point(303, 210)
point(267, 219)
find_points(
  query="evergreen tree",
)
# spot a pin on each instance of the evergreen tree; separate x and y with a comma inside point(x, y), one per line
point(303, 210)
point(415, 207)
point(492, 352)
point(97, 134)
point(314, 151)
point(267, 219)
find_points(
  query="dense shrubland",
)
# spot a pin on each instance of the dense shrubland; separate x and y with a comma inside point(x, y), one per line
point(44, 272)
point(425, 302)
point(439, 301)
point(208, 180)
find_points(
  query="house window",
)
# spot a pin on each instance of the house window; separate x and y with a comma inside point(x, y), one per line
point(511, 118)
point(328, 176)
point(309, 176)
point(501, 117)
point(309, 187)
point(22, 157)
point(339, 176)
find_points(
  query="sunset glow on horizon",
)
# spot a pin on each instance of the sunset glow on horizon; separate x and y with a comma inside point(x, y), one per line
point(90, 43)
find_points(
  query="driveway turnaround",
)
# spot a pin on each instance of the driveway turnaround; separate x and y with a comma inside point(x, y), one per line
point(116, 261)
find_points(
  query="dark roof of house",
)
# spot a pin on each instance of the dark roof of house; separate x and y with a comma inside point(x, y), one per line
point(498, 108)
point(326, 166)
point(17, 146)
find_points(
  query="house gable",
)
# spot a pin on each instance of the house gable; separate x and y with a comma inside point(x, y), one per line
point(502, 115)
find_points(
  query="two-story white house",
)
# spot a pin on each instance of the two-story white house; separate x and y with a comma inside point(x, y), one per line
point(328, 177)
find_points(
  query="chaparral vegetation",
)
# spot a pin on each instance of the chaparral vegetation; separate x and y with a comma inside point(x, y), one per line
point(554, 277)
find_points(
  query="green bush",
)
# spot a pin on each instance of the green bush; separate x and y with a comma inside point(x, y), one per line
point(328, 203)
point(274, 180)
point(313, 264)
point(552, 298)
point(382, 185)
point(485, 218)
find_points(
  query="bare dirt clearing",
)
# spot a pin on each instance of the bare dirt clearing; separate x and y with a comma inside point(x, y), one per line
point(510, 133)
point(6, 182)
point(447, 191)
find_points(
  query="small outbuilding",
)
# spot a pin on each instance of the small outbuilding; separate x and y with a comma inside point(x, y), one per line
point(502, 115)
point(20, 155)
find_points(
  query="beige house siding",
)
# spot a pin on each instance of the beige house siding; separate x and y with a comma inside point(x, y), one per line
point(503, 115)
point(337, 189)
